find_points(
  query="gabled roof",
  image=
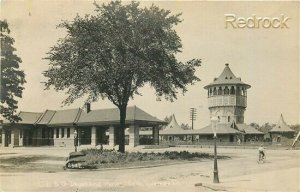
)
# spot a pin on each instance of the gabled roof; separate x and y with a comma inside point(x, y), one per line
point(29, 117)
point(46, 117)
point(281, 126)
point(102, 116)
point(65, 117)
point(247, 129)
point(227, 78)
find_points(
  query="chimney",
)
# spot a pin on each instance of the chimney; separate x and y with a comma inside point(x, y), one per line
point(87, 107)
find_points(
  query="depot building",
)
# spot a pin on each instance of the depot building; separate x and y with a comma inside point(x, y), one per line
point(93, 127)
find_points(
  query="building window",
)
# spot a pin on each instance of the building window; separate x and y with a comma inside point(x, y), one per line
point(238, 91)
point(57, 132)
point(62, 132)
point(232, 90)
point(226, 91)
point(21, 133)
point(243, 92)
point(220, 91)
point(215, 91)
point(228, 118)
point(68, 132)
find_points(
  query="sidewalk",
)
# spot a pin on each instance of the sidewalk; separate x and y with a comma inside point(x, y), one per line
point(284, 180)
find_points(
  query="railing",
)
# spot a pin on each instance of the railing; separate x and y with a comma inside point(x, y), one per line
point(227, 100)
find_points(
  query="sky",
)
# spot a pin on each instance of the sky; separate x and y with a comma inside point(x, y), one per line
point(265, 58)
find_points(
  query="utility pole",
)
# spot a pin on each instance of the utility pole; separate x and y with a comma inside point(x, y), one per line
point(193, 113)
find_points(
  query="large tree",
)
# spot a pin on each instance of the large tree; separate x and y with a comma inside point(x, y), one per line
point(115, 52)
point(11, 77)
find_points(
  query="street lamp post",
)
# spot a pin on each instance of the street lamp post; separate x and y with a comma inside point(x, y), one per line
point(75, 140)
point(214, 126)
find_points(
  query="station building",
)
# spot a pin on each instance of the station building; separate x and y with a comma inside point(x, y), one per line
point(94, 127)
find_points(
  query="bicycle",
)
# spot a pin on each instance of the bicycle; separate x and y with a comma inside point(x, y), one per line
point(261, 158)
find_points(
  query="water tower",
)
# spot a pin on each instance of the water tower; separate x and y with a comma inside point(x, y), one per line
point(227, 97)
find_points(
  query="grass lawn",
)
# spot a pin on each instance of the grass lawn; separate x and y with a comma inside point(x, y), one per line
point(38, 163)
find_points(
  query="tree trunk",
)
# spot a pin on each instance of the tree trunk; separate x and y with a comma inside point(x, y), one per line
point(122, 129)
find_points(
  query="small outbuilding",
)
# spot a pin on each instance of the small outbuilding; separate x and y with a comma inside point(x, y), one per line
point(281, 129)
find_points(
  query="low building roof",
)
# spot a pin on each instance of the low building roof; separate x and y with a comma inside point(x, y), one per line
point(173, 125)
point(28, 117)
point(103, 116)
point(223, 128)
point(281, 126)
point(65, 117)
point(46, 117)
point(247, 129)
point(77, 116)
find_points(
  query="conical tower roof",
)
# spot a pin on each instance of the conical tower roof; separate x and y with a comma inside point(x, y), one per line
point(281, 126)
point(173, 125)
point(227, 77)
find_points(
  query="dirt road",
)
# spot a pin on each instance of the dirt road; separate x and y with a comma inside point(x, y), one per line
point(241, 173)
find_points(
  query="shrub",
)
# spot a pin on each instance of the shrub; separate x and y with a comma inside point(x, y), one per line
point(97, 157)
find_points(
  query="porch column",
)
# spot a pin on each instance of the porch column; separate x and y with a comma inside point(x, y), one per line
point(12, 138)
point(112, 137)
point(134, 137)
point(16, 133)
point(3, 138)
point(93, 136)
point(155, 134)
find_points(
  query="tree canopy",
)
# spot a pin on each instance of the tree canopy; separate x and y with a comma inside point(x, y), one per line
point(117, 51)
point(11, 77)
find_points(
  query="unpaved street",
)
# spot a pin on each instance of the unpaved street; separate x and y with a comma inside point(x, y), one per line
point(240, 173)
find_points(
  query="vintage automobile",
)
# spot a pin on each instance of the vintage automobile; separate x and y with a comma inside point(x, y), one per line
point(75, 161)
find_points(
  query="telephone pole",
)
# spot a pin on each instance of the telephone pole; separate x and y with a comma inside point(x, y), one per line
point(193, 113)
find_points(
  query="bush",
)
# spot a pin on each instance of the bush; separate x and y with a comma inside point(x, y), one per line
point(107, 158)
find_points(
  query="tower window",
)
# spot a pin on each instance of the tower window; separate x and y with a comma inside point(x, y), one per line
point(215, 91)
point(220, 91)
point(232, 90)
point(226, 91)
point(238, 91)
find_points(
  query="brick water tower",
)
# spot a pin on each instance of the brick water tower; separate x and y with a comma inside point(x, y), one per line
point(227, 97)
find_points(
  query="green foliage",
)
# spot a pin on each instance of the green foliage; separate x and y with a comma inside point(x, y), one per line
point(185, 126)
point(296, 127)
point(11, 77)
point(117, 51)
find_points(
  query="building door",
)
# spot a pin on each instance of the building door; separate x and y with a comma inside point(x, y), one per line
point(231, 138)
point(86, 135)
point(101, 136)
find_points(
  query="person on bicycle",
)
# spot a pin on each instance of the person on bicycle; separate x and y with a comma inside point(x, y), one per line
point(261, 151)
